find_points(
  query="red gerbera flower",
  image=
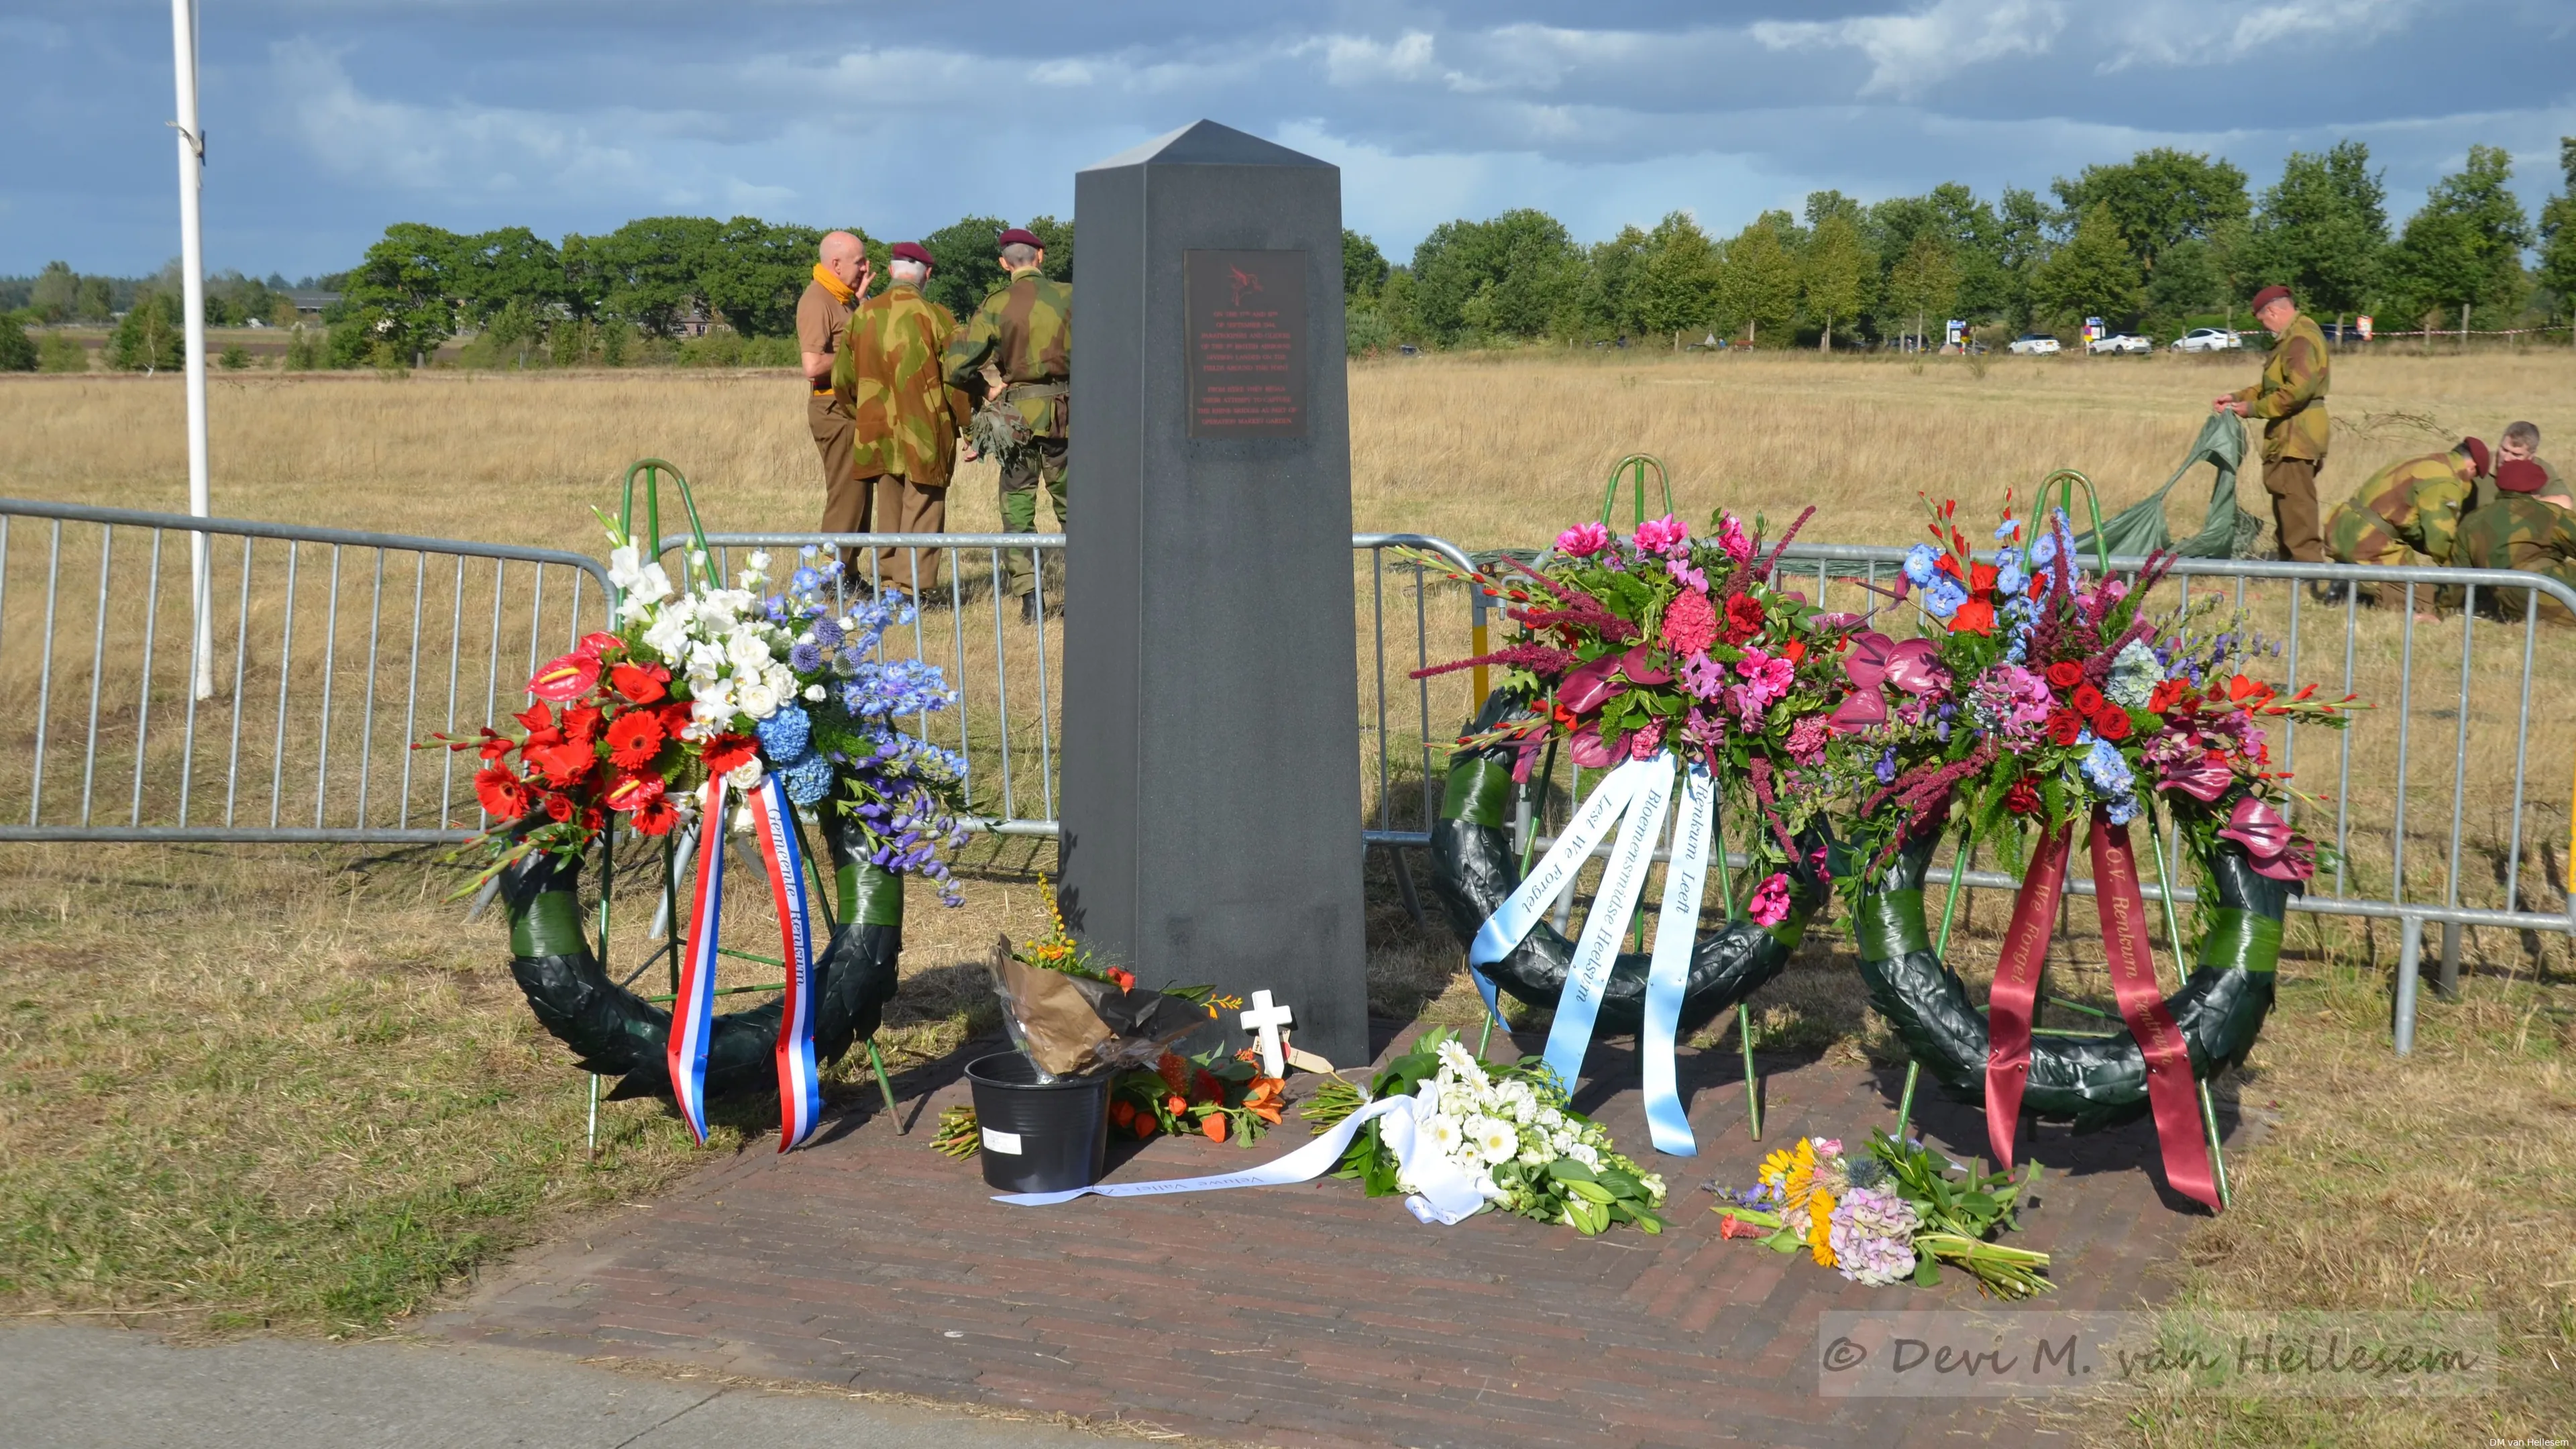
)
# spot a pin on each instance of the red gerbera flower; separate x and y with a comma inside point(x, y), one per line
point(674, 716)
point(2112, 724)
point(640, 683)
point(502, 793)
point(562, 763)
point(726, 753)
point(634, 739)
point(2087, 700)
point(2064, 673)
point(581, 722)
point(657, 817)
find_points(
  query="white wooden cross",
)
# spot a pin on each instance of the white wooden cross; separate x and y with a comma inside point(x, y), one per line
point(1266, 1019)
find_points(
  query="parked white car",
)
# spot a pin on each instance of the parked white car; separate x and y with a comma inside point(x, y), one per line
point(2128, 342)
point(2033, 344)
point(2208, 339)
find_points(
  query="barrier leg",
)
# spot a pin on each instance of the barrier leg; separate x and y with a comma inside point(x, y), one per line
point(2447, 984)
point(2410, 954)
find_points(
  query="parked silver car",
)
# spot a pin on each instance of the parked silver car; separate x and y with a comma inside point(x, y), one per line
point(2207, 339)
point(2033, 344)
point(2123, 342)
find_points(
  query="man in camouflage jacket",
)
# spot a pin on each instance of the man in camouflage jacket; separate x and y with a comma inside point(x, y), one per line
point(906, 416)
point(1026, 330)
point(2291, 400)
point(2416, 505)
point(2518, 531)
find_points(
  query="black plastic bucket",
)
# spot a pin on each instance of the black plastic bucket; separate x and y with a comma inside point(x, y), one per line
point(1039, 1137)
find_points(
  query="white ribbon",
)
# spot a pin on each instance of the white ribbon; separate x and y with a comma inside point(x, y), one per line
point(1580, 1003)
point(1441, 1191)
point(1668, 973)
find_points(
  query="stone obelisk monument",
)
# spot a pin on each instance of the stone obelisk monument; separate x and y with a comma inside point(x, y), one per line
point(1211, 764)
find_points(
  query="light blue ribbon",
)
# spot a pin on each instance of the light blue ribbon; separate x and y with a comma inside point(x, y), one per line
point(1507, 927)
point(1579, 1005)
point(1668, 972)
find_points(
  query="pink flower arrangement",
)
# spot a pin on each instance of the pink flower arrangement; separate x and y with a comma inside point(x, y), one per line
point(1732, 540)
point(1664, 537)
point(1807, 740)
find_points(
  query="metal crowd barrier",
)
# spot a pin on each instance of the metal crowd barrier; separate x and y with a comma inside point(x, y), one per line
point(320, 655)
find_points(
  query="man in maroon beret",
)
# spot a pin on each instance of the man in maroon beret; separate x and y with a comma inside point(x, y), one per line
point(905, 415)
point(2291, 401)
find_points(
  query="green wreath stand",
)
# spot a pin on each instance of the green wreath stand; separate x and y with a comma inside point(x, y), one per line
point(2090, 1080)
point(1473, 871)
point(614, 1032)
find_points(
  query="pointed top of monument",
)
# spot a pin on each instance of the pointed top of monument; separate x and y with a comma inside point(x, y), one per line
point(1206, 143)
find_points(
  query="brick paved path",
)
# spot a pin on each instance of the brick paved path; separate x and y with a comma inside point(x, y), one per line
point(1304, 1315)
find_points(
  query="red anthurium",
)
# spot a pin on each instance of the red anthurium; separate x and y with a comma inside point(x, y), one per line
point(567, 678)
point(634, 792)
point(640, 683)
point(594, 645)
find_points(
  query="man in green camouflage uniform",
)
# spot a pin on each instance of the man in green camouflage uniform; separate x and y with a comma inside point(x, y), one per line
point(2412, 505)
point(892, 373)
point(2291, 400)
point(2518, 531)
point(1026, 329)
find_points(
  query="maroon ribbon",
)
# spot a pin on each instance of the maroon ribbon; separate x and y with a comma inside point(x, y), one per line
point(2171, 1092)
point(2008, 1007)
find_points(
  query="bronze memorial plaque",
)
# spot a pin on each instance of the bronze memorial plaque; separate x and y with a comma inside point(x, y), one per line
point(1247, 321)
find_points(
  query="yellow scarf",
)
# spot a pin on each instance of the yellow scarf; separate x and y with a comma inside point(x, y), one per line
point(841, 291)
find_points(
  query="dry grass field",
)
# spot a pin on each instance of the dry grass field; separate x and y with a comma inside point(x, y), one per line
point(284, 1085)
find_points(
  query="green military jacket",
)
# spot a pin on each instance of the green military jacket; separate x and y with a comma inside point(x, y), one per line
point(2488, 492)
point(2518, 531)
point(1025, 329)
point(889, 372)
point(2420, 502)
point(2291, 398)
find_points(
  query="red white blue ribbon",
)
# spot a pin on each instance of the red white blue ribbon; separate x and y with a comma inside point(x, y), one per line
point(800, 1085)
point(693, 1007)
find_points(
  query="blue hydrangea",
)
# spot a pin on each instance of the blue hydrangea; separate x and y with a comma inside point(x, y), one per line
point(808, 780)
point(2135, 673)
point(2106, 771)
point(2123, 810)
point(1922, 562)
point(1943, 596)
point(785, 735)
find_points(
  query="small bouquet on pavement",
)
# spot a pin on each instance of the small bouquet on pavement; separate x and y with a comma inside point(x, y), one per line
point(1892, 1215)
point(1505, 1128)
point(1075, 1015)
point(1217, 1096)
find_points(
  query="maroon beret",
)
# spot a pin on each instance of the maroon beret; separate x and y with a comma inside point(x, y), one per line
point(2477, 452)
point(1019, 236)
point(2270, 295)
point(912, 252)
point(2521, 475)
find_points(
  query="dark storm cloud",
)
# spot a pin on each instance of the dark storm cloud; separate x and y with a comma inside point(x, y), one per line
point(328, 121)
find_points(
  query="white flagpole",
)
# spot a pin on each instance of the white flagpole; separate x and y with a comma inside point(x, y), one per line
point(192, 270)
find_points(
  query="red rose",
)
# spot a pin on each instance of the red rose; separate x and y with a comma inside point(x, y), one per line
point(656, 818)
point(635, 739)
point(2112, 724)
point(2023, 797)
point(2064, 673)
point(726, 753)
point(567, 678)
point(501, 792)
point(559, 806)
point(2087, 700)
point(640, 683)
point(2064, 725)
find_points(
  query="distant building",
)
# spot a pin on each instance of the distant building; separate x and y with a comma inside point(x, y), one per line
point(310, 303)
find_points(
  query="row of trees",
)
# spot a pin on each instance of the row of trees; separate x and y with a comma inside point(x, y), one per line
point(2154, 242)
point(658, 276)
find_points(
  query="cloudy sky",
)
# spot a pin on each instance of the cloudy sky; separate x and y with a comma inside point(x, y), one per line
point(327, 119)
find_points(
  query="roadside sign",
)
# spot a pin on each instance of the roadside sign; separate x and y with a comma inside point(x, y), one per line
point(2362, 323)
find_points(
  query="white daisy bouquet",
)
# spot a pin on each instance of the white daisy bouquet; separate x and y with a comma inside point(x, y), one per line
point(1505, 1128)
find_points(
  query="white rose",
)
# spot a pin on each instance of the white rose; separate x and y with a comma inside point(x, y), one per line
point(814, 693)
point(745, 775)
point(668, 636)
point(1550, 1118)
point(745, 650)
point(1582, 1152)
point(759, 700)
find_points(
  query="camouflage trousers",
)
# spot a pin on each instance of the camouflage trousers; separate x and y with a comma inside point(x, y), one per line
point(1023, 468)
point(2524, 534)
